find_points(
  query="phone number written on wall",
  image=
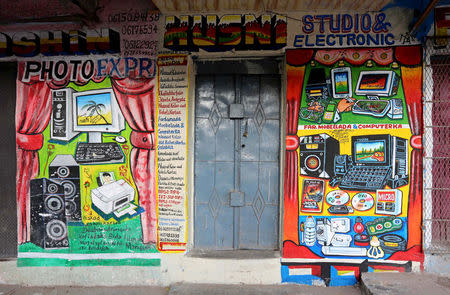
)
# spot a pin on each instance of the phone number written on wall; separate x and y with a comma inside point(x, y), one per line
point(139, 29)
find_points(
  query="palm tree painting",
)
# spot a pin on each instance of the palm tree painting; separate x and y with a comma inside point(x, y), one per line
point(94, 109)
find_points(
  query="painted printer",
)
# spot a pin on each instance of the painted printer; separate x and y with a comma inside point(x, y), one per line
point(113, 196)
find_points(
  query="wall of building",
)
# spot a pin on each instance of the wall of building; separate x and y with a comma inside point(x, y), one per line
point(151, 73)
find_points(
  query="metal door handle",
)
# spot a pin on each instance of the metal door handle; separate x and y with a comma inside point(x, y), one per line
point(236, 199)
point(236, 111)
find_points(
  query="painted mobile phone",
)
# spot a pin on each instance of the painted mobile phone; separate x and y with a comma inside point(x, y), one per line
point(329, 114)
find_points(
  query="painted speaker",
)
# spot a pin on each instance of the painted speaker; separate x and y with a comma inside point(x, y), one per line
point(317, 154)
point(48, 228)
point(65, 170)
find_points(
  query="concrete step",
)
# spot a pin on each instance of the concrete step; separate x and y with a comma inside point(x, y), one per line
point(285, 289)
point(386, 283)
point(60, 290)
point(183, 289)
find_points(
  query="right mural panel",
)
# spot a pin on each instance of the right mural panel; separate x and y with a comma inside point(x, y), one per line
point(353, 177)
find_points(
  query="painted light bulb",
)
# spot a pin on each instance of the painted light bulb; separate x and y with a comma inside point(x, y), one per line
point(359, 226)
point(375, 250)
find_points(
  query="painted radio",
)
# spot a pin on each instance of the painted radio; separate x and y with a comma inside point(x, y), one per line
point(317, 153)
point(318, 85)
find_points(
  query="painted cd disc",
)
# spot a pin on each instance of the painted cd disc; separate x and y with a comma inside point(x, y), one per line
point(337, 197)
point(362, 201)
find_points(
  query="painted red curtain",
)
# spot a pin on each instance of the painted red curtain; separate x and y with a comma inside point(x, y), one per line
point(296, 60)
point(33, 109)
point(410, 58)
point(355, 56)
point(136, 98)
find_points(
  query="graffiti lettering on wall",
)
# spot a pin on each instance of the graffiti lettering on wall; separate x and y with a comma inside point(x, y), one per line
point(85, 69)
point(127, 28)
point(86, 162)
point(354, 162)
point(172, 135)
point(51, 43)
point(329, 30)
point(236, 31)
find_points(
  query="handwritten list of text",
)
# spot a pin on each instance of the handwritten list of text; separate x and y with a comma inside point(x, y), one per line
point(172, 131)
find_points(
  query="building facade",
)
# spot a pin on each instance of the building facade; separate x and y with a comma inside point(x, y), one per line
point(239, 146)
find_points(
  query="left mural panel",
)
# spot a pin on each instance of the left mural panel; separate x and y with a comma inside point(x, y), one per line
point(85, 149)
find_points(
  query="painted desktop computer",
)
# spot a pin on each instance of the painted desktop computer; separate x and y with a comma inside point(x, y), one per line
point(377, 83)
point(377, 161)
point(94, 112)
point(61, 123)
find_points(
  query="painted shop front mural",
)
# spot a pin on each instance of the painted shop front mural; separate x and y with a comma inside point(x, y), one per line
point(86, 162)
point(353, 198)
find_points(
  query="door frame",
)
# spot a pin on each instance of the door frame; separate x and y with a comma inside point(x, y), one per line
point(192, 68)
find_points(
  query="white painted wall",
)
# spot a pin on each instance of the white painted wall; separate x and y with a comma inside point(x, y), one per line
point(175, 268)
point(438, 264)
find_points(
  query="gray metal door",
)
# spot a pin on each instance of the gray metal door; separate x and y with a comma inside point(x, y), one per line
point(8, 209)
point(237, 125)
